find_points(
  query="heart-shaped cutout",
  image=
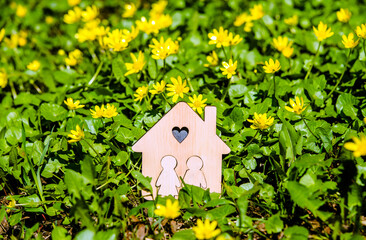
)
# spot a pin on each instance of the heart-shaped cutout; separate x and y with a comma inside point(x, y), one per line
point(180, 133)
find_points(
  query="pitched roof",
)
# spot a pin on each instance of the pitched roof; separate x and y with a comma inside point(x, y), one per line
point(179, 116)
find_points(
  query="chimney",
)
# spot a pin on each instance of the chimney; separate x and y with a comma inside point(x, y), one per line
point(210, 119)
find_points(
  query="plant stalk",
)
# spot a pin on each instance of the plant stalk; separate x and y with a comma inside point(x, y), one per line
point(340, 78)
point(312, 62)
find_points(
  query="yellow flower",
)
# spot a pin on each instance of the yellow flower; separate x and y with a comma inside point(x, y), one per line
point(242, 18)
point(101, 31)
point(361, 31)
point(2, 34)
point(229, 68)
point(158, 87)
point(61, 52)
point(162, 21)
point(220, 38)
point(212, 60)
point(11, 204)
point(292, 21)
point(158, 7)
point(73, 105)
point(287, 52)
point(110, 111)
point(98, 113)
point(171, 210)
point(234, 40)
point(322, 32)
point(271, 66)
point(73, 2)
point(358, 146)
point(76, 135)
point(177, 89)
point(256, 12)
point(297, 106)
point(3, 78)
point(130, 35)
point(141, 92)
point(116, 40)
point(206, 230)
point(147, 27)
point(197, 103)
point(281, 43)
point(85, 34)
point(49, 20)
point(21, 11)
point(248, 26)
point(22, 40)
point(348, 42)
point(12, 42)
point(90, 13)
point(129, 10)
point(73, 16)
point(163, 49)
point(344, 15)
point(13, 5)
point(137, 65)
point(261, 121)
point(92, 24)
point(74, 58)
point(155, 23)
point(34, 65)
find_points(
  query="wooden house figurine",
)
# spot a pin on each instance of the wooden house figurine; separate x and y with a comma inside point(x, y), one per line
point(182, 145)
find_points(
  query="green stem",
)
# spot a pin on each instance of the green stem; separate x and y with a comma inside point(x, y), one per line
point(166, 99)
point(340, 78)
point(274, 84)
point(312, 62)
point(12, 88)
point(308, 127)
point(223, 49)
point(91, 146)
point(96, 73)
point(251, 140)
point(226, 90)
point(364, 47)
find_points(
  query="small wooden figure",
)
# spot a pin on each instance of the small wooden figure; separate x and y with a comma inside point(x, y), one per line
point(168, 180)
point(183, 136)
point(194, 175)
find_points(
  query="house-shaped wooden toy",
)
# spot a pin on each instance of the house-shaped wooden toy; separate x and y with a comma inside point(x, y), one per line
point(182, 145)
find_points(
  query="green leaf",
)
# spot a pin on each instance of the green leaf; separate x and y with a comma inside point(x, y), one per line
point(30, 201)
point(274, 224)
point(305, 198)
point(85, 235)
point(145, 181)
point(152, 68)
point(121, 158)
point(222, 211)
point(13, 135)
point(75, 182)
point(184, 235)
point(106, 235)
point(51, 167)
point(288, 140)
point(15, 219)
point(296, 233)
point(345, 104)
point(53, 112)
point(117, 68)
point(60, 233)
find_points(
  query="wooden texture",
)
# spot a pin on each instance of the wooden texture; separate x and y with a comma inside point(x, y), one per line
point(183, 136)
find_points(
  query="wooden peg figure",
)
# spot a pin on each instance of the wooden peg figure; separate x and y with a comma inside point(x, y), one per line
point(168, 180)
point(194, 175)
